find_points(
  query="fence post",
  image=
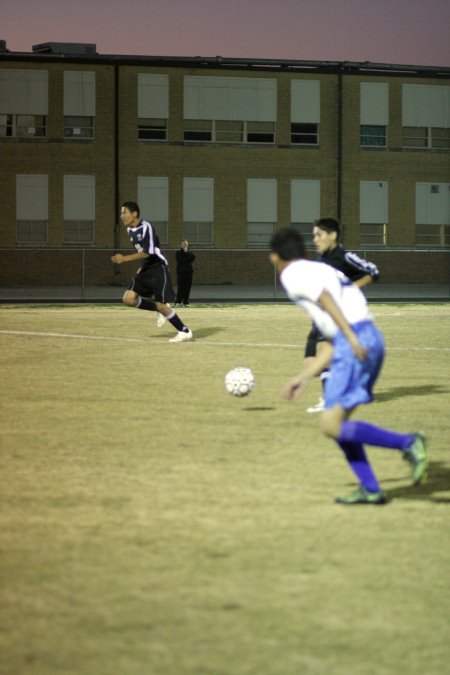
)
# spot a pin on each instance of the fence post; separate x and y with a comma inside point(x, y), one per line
point(83, 281)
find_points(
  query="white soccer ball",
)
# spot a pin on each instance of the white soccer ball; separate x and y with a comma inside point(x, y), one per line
point(240, 382)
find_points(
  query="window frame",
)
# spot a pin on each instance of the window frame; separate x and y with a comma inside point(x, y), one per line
point(154, 128)
point(301, 136)
point(370, 239)
point(76, 131)
point(11, 124)
point(252, 132)
point(194, 231)
point(366, 135)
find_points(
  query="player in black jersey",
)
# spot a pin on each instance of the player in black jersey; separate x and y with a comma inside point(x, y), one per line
point(326, 236)
point(151, 288)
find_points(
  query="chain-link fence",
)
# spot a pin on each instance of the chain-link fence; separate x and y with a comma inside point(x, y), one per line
point(220, 275)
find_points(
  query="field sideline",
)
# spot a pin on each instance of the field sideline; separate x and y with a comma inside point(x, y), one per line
point(154, 525)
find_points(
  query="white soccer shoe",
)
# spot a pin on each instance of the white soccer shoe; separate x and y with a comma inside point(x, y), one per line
point(181, 336)
point(161, 320)
point(318, 407)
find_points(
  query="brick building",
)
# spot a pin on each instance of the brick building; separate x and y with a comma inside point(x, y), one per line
point(221, 151)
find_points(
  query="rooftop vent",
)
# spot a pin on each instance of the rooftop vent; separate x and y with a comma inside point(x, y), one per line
point(69, 48)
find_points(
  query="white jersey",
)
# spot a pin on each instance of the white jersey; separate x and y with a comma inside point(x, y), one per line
point(304, 281)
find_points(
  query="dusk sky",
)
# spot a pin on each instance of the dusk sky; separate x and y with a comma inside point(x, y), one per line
point(413, 32)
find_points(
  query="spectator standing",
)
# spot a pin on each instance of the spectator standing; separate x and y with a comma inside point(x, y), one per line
point(184, 257)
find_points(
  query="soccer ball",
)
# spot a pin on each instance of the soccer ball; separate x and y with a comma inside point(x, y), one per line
point(240, 382)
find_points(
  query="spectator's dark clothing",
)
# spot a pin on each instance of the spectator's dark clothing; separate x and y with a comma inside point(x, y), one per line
point(185, 273)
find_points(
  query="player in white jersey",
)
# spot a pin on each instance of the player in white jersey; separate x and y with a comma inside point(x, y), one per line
point(355, 349)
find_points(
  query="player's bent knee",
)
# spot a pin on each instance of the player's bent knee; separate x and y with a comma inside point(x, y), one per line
point(130, 298)
point(329, 425)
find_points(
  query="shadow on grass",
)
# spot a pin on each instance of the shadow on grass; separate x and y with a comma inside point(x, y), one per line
point(259, 409)
point(438, 482)
point(206, 332)
point(399, 392)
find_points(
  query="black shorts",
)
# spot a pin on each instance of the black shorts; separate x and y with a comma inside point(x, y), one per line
point(314, 336)
point(154, 283)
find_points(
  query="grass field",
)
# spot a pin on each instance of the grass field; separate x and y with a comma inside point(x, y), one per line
point(154, 525)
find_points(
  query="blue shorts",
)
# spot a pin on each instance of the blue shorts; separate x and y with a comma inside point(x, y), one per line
point(351, 380)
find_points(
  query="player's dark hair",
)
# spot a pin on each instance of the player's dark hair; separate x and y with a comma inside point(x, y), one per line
point(329, 225)
point(288, 244)
point(132, 206)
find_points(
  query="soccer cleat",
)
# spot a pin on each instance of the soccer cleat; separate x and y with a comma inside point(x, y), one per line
point(362, 496)
point(416, 455)
point(161, 320)
point(182, 336)
point(318, 407)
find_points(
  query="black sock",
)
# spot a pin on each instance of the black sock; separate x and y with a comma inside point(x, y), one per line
point(144, 303)
point(177, 322)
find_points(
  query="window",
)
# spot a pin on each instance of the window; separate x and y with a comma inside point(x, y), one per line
point(229, 131)
point(153, 107)
point(260, 132)
point(433, 214)
point(31, 232)
point(305, 206)
point(219, 131)
point(229, 109)
point(433, 235)
point(152, 130)
point(305, 229)
point(23, 126)
point(306, 134)
point(260, 234)
point(305, 112)
point(261, 211)
point(153, 199)
point(23, 103)
point(198, 232)
point(198, 130)
point(415, 137)
point(31, 209)
point(374, 113)
point(426, 116)
point(373, 213)
point(78, 127)
point(78, 232)
point(198, 210)
point(373, 234)
point(79, 104)
point(79, 209)
point(426, 137)
point(374, 135)
point(440, 138)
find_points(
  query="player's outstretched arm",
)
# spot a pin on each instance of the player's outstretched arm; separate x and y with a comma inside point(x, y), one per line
point(119, 258)
point(364, 281)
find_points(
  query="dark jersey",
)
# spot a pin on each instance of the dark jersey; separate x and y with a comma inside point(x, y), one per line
point(349, 263)
point(145, 240)
point(354, 268)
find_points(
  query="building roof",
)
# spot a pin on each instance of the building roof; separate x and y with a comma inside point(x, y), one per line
point(48, 52)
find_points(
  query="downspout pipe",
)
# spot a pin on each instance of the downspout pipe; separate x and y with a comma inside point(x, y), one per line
point(339, 147)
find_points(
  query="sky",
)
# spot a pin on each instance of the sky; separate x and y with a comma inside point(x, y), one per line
point(400, 32)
